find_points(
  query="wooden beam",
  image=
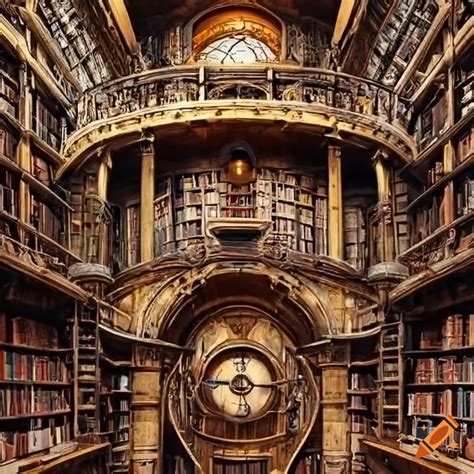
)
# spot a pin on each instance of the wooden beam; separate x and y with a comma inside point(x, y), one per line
point(122, 19)
point(423, 49)
point(346, 9)
point(335, 220)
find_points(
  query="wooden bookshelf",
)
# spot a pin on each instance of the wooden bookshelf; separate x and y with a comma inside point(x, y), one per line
point(9, 85)
point(355, 235)
point(295, 205)
point(35, 391)
point(48, 125)
point(440, 375)
point(115, 401)
point(363, 397)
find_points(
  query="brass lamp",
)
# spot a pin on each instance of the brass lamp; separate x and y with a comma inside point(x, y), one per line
point(240, 169)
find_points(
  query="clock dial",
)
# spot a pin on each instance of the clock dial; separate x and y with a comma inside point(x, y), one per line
point(238, 384)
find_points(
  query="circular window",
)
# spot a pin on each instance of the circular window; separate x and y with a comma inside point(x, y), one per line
point(239, 384)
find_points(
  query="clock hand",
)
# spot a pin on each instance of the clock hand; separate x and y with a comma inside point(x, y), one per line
point(244, 407)
point(213, 383)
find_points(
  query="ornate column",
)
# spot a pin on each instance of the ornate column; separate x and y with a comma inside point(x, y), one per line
point(334, 362)
point(147, 196)
point(335, 209)
point(382, 224)
point(146, 410)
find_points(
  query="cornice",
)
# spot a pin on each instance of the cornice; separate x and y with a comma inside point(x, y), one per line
point(84, 144)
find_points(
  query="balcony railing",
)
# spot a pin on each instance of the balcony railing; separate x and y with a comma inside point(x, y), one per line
point(41, 251)
point(447, 242)
point(198, 83)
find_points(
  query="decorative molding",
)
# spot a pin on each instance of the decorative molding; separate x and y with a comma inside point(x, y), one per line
point(387, 272)
point(90, 271)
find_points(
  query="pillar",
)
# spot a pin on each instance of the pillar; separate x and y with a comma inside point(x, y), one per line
point(146, 411)
point(449, 163)
point(385, 234)
point(335, 209)
point(147, 196)
point(336, 455)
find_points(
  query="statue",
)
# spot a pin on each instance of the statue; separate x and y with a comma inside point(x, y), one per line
point(295, 400)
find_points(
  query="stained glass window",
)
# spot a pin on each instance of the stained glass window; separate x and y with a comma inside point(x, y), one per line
point(237, 49)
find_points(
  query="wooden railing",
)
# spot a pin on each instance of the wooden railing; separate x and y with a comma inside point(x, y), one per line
point(446, 242)
point(193, 83)
point(41, 251)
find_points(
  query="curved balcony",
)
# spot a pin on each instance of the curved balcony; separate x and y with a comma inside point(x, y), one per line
point(345, 106)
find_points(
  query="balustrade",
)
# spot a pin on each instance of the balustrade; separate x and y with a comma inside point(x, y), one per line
point(447, 242)
point(192, 83)
point(38, 250)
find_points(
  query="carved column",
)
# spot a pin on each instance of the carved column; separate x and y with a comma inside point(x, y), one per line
point(147, 195)
point(384, 236)
point(333, 363)
point(335, 209)
point(146, 411)
point(449, 163)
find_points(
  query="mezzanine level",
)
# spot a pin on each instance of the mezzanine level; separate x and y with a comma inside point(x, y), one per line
point(329, 103)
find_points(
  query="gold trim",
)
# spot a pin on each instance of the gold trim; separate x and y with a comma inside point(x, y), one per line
point(232, 21)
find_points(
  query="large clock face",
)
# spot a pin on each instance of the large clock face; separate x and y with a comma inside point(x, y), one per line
point(238, 384)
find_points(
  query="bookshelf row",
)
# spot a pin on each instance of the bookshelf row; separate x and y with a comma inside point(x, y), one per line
point(445, 370)
point(20, 401)
point(440, 377)
point(296, 205)
point(454, 331)
point(43, 389)
point(38, 435)
point(116, 416)
point(458, 403)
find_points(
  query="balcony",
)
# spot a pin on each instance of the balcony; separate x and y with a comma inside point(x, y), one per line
point(447, 242)
point(345, 106)
point(38, 252)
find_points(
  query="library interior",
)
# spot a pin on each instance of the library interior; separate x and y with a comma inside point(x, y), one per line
point(236, 236)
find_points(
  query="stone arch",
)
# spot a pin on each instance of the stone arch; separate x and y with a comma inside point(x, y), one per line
point(174, 311)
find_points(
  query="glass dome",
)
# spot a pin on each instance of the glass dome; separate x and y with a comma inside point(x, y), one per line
point(236, 49)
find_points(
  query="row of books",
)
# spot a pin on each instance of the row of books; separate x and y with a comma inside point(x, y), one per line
point(459, 403)
point(362, 382)
point(7, 142)
point(44, 219)
point(444, 370)
point(118, 421)
point(426, 221)
point(231, 467)
point(29, 367)
point(31, 400)
point(465, 146)
point(27, 332)
point(43, 434)
point(457, 331)
point(465, 197)
point(435, 173)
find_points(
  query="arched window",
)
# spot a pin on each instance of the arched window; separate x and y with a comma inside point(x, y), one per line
point(237, 49)
point(236, 36)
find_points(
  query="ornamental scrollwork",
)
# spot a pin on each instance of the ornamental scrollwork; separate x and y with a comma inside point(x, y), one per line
point(195, 252)
point(275, 248)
